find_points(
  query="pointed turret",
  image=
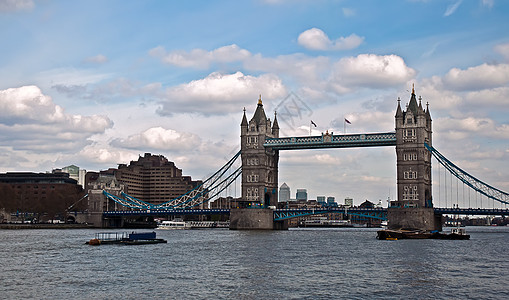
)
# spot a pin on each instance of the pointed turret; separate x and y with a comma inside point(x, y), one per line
point(412, 105)
point(243, 124)
point(420, 109)
point(259, 115)
point(275, 126)
point(244, 119)
point(399, 112)
point(428, 115)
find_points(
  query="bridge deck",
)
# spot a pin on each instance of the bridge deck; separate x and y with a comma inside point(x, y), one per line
point(295, 212)
point(332, 141)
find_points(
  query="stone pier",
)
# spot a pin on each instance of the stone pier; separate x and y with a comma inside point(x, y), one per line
point(414, 218)
point(254, 219)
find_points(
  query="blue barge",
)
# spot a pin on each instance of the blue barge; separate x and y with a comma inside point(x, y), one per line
point(124, 238)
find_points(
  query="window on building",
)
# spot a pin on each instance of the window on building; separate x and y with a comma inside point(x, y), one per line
point(410, 193)
point(410, 175)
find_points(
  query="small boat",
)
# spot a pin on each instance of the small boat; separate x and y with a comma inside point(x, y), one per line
point(458, 233)
point(174, 224)
point(124, 238)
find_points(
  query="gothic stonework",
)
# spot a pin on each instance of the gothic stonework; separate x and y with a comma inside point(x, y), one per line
point(259, 164)
point(413, 129)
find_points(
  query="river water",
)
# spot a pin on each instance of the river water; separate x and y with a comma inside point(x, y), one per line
point(347, 263)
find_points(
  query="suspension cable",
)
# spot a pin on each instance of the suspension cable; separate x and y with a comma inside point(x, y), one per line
point(474, 183)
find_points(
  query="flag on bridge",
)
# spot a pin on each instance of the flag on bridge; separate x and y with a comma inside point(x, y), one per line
point(344, 125)
point(313, 123)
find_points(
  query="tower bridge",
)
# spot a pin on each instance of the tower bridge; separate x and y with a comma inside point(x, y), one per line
point(259, 154)
point(260, 146)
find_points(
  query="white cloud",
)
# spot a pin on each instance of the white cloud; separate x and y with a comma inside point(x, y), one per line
point(316, 39)
point(159, 138)
point(307, 71)
point(199, 58)
point(98, 59)
point(459, 128)
point(312, 74)
point(220, 93)
point(503, 49)
point(30, 120)
point(493, 97)
point(105, 91)
point(366, 121)
point(452, 8)
point(97, 154)
point(488, 3)
point(369, 70)
point(70, 76)
point(16, 5)
point(348, 12)
point(478, 77)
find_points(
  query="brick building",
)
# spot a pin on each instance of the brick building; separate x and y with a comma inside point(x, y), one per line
point(154, 179)
point(38, 196)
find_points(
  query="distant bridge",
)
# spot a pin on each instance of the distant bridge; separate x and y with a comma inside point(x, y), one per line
point(289, 213)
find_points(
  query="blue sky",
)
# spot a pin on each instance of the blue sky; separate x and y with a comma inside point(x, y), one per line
point(97, 83)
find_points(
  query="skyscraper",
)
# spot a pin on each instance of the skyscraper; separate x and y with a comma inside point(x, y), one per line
point(302, 194)
point(284, 193)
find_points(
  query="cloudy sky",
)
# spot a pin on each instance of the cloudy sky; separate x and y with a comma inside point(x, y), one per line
point(97, 83)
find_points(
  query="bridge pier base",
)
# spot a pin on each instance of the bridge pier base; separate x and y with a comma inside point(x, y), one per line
point(253, 219)
point(423, 218)
point(281, 225)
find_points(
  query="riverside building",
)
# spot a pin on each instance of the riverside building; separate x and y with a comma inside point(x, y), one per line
point(154, 179)
point(37, 196)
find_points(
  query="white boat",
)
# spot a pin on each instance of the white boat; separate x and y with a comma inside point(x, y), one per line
point(174, 224)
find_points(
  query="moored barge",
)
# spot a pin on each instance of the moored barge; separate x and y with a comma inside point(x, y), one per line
point(401, 234)
point(124, 238)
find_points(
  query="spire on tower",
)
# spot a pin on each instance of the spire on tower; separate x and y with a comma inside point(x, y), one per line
point(275, 125)
point(244, 119)
point(399, 113)
point(260, 100)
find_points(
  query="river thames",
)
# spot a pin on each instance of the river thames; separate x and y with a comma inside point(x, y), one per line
point(347, 263)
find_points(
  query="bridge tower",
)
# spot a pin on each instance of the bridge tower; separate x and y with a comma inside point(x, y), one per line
point(414, 205)
point(259, 164)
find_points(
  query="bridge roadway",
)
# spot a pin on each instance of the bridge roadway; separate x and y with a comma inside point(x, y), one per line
point(288, 213)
